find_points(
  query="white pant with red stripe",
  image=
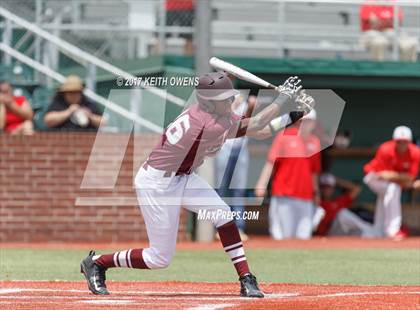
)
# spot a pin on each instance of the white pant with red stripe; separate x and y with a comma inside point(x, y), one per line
point(388, 205)
point(161, 199)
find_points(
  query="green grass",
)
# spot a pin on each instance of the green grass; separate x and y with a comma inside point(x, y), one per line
point(338, 266)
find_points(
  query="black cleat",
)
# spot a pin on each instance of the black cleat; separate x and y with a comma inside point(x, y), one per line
point(249, 286)
point(94, 274)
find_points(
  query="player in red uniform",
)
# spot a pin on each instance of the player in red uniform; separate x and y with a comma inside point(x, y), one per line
point(394, 168)
point(295, 162)
point(338, 220)
point(167, 181)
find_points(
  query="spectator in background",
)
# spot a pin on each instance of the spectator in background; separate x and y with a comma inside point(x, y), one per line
point(377, 23)
point(71, 110)
point(295, 180)
point(394, 167)
point(338, 220)
point(232, 165)
point(2, 115)
point(16, 112)
point(181, 13)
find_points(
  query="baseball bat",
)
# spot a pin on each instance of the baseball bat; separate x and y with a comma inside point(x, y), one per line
point(239, 72)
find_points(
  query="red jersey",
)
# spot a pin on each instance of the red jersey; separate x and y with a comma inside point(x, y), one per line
point(13, 120)
point(182, 5)
point(296, 160)
point(387, 158)
point(332, 207)
point(191, 137)
point(384, 14)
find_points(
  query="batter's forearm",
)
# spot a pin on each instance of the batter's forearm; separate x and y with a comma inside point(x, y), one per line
point(275, 125)
point(262, 119)
point(262, 134)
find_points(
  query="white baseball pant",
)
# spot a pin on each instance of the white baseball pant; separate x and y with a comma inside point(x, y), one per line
point(161, 199)
point(290, 218)
point(347, 223)
point(388, 218)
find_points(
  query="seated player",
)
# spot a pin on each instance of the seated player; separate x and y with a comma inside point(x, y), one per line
point(167, 181)
point(338, 220)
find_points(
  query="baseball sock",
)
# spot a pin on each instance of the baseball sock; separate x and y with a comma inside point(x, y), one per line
point(232, 244)
point(131, 258)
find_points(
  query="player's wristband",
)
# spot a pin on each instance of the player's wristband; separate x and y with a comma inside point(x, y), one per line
point(279, 122)
point(285, 120)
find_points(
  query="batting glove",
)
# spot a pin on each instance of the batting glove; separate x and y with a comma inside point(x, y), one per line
point(290, 87)
point(305, 102)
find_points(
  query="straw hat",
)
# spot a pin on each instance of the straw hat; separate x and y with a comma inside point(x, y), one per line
point(72, 83)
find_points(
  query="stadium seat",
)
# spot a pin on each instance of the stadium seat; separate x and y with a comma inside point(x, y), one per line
point(41, 98)
point(16, 74)
point(39, 120)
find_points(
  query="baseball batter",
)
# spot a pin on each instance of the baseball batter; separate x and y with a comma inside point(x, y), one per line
point(167, 181)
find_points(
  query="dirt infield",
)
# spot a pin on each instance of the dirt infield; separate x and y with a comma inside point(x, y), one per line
point(191, 295)
point(208, 296)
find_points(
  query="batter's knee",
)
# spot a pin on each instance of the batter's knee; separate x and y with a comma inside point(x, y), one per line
point(163, 259)
point(158, 259)
point(162, 262)
point(222, 216)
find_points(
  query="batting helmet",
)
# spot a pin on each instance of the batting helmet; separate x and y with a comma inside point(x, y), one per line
point(215, 86)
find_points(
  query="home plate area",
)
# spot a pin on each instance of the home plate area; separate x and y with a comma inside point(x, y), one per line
point(205, 296)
